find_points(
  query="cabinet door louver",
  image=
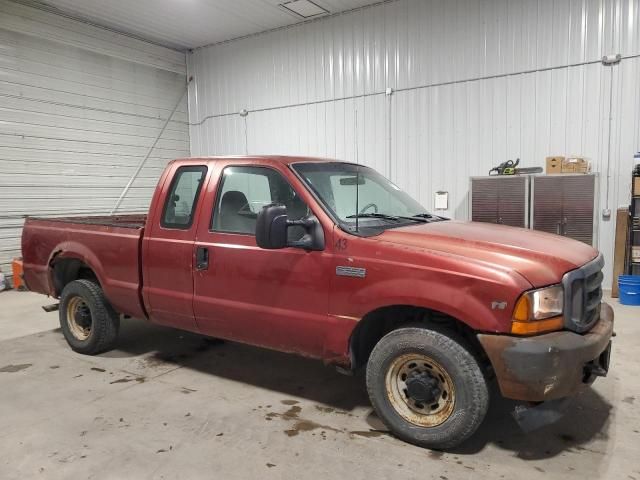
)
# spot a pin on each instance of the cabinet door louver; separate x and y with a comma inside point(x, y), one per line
point(484, 200)
point(547, 204)
point(499, 200)
point(564, 204)
point(577, 207)
point(512, 201)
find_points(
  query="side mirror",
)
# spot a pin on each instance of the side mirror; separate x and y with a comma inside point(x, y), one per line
point(272, 225)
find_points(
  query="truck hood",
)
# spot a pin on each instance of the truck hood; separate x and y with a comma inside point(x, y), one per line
point(541, 258)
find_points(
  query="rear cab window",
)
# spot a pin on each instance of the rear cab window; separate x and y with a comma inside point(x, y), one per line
point(180, 203)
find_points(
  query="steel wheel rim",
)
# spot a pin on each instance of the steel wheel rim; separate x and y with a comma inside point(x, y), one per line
point(79, 318)
point(423, 413)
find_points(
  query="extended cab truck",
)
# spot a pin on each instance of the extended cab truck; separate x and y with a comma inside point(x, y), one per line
point(330, 260)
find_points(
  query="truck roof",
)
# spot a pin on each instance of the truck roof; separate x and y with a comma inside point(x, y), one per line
point(285, 159)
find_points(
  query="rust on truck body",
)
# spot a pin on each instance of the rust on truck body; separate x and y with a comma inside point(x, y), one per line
point(549, 366)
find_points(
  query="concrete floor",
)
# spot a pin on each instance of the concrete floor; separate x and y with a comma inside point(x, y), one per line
point(168, 404)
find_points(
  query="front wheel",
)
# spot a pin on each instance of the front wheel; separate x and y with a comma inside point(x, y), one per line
point(427, 387)
point(88, 321)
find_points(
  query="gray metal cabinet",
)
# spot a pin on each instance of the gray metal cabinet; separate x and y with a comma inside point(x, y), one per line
point(500, 199)
point(564, 205)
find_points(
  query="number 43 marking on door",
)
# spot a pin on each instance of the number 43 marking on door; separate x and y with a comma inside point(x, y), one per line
point(341, 244)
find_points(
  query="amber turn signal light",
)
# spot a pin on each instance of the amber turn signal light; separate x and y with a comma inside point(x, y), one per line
point(538, 326)
point(521, 312)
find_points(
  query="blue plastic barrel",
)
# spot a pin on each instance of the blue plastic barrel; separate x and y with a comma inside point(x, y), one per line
point(629, 289)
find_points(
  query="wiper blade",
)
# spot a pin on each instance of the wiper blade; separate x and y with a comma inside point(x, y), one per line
point(423, 215)
point(375, 215)
point(384, 216)
point(415, 218)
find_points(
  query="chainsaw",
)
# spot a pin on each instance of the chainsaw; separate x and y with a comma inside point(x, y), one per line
point(509, 168)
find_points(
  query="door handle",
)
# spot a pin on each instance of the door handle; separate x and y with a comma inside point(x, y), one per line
point(202, 258)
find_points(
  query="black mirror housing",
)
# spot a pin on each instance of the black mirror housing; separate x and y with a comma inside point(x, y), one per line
point(271, 227)
point(271, 230)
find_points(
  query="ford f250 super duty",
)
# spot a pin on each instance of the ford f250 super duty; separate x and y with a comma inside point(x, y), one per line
point(331, 260)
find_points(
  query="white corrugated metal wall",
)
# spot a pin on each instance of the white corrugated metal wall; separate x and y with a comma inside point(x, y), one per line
point(475, 83)
point(79, 108)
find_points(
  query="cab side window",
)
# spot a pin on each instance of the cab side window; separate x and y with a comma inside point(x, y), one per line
point(183, 195)
point(242, 193)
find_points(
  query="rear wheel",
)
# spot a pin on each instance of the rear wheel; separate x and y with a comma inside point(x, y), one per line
point(88, 322)
point(427, 387)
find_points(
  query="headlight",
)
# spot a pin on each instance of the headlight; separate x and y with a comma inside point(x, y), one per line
point(539, 311)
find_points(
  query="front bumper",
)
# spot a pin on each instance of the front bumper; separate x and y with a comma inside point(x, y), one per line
point(550, 366)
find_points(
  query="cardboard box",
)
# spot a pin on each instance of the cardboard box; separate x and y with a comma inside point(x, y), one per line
point(575, 165)
point(554, 164)
point(636, 185)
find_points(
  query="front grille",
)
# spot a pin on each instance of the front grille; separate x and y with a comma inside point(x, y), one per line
point(582, 295)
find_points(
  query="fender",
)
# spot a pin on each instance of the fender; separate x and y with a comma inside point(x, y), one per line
point(77, 251)
point(122, 295)
point(463, 301)
point(461, 297)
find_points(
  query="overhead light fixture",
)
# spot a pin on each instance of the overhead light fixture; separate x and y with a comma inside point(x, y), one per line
point(304, 8)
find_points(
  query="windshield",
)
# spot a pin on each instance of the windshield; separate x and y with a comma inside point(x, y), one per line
point(358, 196)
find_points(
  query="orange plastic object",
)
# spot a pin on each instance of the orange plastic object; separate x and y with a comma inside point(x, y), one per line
point(16, 269)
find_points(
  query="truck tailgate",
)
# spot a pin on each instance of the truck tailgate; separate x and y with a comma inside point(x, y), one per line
point(110, 246)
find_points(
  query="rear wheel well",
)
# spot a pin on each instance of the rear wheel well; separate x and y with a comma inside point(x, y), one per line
point(376, 324)
point(66, 270)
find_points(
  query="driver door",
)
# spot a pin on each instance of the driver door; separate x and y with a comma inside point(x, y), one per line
point(272, 298)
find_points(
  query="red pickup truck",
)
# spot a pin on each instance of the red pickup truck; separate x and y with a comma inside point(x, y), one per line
point(331, 260)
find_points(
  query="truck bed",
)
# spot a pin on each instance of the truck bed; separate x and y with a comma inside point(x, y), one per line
point(110, 246)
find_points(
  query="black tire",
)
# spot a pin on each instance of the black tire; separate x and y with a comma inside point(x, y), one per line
point(104, 322)
point(470, 391)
